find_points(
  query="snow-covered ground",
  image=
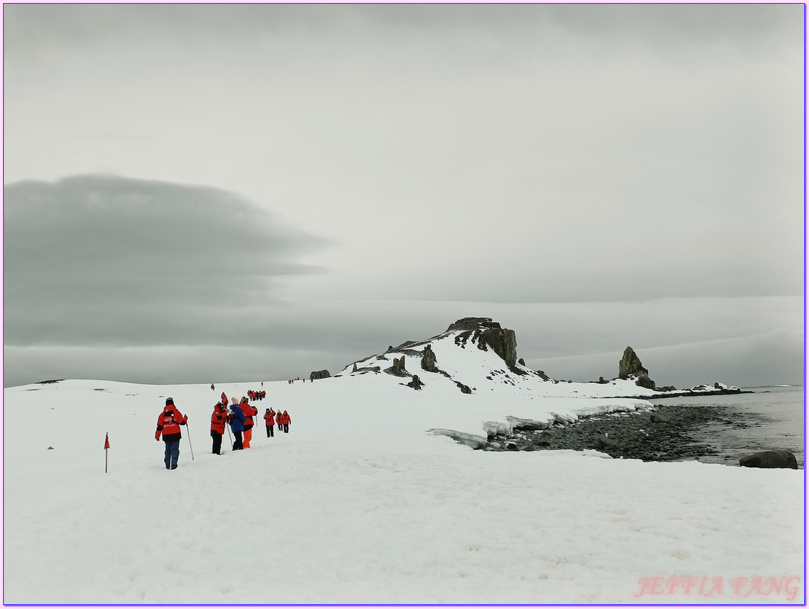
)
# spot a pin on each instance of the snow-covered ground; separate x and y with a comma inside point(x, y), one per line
point(359, 503)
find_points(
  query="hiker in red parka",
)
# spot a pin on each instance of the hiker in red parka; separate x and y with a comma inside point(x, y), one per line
point(269, 422)
point(218, 419)
point(284, 420)
point(249, 412)
point(168, 423)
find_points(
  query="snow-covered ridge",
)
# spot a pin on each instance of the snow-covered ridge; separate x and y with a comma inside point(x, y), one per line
point(465, 360)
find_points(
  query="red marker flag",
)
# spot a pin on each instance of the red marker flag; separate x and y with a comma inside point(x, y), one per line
point(106, 454)
point(107, 441)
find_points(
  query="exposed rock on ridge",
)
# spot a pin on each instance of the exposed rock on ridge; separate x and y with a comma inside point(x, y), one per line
point(630, 366)
point(428, 360)
point(488, 334)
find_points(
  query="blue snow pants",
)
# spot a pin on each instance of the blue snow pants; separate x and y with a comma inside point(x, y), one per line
point(172, 453)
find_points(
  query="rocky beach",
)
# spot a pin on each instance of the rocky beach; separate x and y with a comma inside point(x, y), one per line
point(659, 433)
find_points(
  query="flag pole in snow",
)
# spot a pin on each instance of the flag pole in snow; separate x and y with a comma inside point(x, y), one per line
point(106, 451)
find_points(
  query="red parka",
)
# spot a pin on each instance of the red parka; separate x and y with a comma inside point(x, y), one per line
point(168, 423)
point(218, 418)
point(249, 412)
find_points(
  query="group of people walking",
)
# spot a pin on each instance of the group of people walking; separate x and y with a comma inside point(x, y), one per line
point(271, 417)
point(241, 422)
point(240, 419)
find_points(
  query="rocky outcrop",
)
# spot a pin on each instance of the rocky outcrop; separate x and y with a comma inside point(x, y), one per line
point(463, 388)
point(503, 342)
point(428, 359)
point(487, 334)
point(770, 459)
point(321, 374)
point(398, 368)
point(630, 364)
point(630, 367)
point(473, 323)
point(415, 382)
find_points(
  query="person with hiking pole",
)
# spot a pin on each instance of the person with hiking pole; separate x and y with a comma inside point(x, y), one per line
point(218, 419)
point(168, 424)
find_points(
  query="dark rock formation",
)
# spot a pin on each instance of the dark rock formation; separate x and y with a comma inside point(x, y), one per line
point(630, 364)
point(487, 334)
point(415, 383)
point(323, 374)
point(463, 388)
point(631, 367)
point(428, 359)
point(503, 342)
point(399, 366)
point(521, 362)
point(355, 368)
point(473, 323)
point(770, 459)
point(543, 376)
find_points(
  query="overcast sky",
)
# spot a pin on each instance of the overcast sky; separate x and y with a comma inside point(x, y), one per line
point(197, 193)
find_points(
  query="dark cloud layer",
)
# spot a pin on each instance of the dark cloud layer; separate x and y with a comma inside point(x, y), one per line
point(103, 259)
point(35, 26)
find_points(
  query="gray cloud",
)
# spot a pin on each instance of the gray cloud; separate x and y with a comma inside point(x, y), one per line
point(33, 26)
point(563, 165)
point(104, 259)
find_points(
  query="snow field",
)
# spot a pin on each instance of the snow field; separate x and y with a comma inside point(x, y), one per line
point(359, 504)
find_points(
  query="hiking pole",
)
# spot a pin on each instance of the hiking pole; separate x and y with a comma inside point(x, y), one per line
point(189, 441)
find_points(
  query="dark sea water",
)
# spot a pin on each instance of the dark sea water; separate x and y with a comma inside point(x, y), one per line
point(774, 418)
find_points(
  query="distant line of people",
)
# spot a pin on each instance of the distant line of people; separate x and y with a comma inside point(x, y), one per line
point(240, 419)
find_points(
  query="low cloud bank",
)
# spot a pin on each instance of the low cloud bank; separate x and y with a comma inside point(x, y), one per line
point(104, 260)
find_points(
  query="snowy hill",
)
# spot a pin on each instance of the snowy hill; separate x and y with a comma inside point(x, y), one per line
point(479, 354)
point(476, 353)
point(361, 503)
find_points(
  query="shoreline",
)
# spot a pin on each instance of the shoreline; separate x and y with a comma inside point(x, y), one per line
point(659, 433)
point(681, 394)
